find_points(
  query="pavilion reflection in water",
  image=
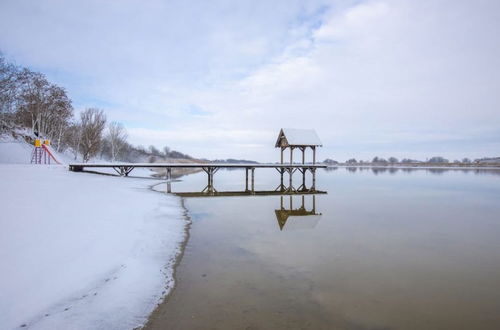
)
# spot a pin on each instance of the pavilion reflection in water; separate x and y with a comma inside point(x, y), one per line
point(291, 215)
point(300, 217)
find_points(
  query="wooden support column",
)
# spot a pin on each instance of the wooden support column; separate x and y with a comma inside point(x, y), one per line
point(314, 204)
point(291, 155)
point(282, 149)
point(246, 178)
point(314, 154)
point(253, 179)
point(304, 178)
point(281, 187)
point(290, 171)
point(282, 171)
point(313, 187)
point(209, 187)
point(126, 170)
point(303, 154)
point(117, 170)
point(213, 170)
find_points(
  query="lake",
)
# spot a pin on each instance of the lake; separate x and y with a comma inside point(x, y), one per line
point(383, 249)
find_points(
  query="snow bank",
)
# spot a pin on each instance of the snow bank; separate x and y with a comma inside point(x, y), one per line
point(17, 151)
point(14, 152)
point(83, 251)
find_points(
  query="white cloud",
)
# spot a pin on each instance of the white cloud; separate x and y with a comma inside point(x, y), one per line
point(407, 77)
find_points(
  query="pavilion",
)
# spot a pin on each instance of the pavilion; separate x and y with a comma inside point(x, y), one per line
point(301, 139)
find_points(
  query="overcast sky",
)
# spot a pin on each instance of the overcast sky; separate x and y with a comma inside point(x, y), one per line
point(218, 79)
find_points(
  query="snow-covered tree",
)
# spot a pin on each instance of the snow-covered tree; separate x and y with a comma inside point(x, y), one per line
point(117, 138)
point(93, 122)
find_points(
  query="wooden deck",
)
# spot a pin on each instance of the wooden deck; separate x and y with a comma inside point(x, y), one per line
point(124, 169)
point(80, 166)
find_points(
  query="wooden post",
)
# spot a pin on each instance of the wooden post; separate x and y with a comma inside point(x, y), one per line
point(290, 171)
point(304, 178)
point(282, 149)
point(291, 155)
point(314, 179)
point(210, 184)
point(246, 178)
point(314, 204)
point(303, 154)
point(282, 170)
point(253, 175)
point(314, 155)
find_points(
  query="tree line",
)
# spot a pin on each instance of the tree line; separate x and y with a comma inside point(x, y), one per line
point(29, 100)
point(438, 160)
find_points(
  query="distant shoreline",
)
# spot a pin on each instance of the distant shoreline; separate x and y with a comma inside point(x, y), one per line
point(423, 166)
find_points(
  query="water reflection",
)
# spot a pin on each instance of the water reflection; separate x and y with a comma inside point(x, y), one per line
point(414, 252)
point(281, 190)
point(297, 218)
point(297, 206)
point(434, 170)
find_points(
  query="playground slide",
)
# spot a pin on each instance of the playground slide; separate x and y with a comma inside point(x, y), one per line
point(51, 153)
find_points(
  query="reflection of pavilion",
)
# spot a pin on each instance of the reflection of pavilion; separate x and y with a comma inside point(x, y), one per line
point(298, 218)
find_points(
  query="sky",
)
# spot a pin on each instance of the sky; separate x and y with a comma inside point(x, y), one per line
point(218, 79)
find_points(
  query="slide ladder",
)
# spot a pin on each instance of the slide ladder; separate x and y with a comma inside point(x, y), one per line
point(42, 153)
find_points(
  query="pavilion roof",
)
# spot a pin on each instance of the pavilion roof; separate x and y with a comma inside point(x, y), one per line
point(298, 137)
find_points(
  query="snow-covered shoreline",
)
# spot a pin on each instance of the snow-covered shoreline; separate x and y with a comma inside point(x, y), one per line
point(84, 251)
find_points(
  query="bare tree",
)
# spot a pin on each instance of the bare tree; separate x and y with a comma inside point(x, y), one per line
point(44, 107)
point(8, 90)
point(117, 137)
point(33, 102)
point(73, 138)
point(166, 151)
point(93, 122)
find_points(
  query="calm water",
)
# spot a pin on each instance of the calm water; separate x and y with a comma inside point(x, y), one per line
point(390, 250)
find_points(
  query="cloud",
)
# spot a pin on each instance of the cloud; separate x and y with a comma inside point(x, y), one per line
point(377, 77)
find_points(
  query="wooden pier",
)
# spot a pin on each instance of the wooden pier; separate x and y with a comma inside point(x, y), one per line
point(300, 139)
point(124, 169)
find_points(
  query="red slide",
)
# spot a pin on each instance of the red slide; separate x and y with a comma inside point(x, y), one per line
point(51, 155)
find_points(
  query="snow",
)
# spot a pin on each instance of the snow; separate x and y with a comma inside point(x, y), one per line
point(82, 251)
point(14, 152)
point(302, 137)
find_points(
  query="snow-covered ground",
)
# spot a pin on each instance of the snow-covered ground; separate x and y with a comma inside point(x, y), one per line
point(82, 251)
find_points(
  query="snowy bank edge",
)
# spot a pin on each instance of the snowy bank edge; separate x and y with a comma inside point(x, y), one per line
point(58, 313)
point(174, 262)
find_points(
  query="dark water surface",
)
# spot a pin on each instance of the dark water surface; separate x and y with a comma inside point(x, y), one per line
point(390, 250)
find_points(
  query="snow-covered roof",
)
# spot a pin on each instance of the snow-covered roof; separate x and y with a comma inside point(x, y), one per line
point(298, 137)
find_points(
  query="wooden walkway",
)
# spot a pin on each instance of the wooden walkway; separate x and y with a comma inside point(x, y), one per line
point(124, 169)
